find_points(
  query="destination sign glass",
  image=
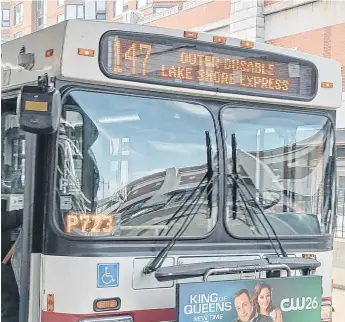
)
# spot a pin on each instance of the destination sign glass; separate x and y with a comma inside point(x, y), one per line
point(192, 64)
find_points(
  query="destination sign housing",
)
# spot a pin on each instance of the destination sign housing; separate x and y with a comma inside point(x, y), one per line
point(198, 65)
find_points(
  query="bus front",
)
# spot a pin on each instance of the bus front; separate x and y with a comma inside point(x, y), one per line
point(195, 180)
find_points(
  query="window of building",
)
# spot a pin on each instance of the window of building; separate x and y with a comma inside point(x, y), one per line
point(80, 12)
point(114, 9)
point(119, 7)
point(341, 182)
point(341, 152)
point(40, 23)
point(60, 3)
point(40, 6)
point(74, 11)
point(18, 35)
point(141, 3)
point(40, 14)
point(5, 17)
point(101, 10)
point(60, 18)
point(125, 6)
point(160, 9)
point(18, 14)
point(5, 39)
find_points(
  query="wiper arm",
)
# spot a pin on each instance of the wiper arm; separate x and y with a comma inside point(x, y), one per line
point(159, 259)
point(234, 176)
point(209, 168)
point(238, 178)
point(208, 175)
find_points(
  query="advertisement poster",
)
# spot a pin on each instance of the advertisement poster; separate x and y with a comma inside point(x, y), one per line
point(288, 299)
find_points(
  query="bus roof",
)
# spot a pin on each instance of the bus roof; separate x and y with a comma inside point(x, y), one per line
point(54, 51)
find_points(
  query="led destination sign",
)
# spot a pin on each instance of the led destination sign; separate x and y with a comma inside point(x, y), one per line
point(192, 64)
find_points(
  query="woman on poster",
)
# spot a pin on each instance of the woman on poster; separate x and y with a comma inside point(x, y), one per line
point(262, 299)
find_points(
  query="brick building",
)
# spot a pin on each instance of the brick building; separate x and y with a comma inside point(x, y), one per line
point(311, 26)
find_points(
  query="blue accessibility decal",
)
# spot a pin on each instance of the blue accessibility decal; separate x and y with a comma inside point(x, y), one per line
point(107, 275)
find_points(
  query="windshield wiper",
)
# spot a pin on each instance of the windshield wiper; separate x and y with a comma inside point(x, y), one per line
point(159, 259)
point(234, 174)
point(209, 169)
point(236, 178)
point(209, 175)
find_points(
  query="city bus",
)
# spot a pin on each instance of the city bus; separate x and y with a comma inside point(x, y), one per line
point(158, 169)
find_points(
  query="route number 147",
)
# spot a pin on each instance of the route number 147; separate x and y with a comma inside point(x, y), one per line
point(132, 54)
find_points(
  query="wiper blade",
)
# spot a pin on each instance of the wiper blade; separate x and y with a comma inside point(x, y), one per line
point(234, 173)
point(192, 270)
point(209, 168)
point(236, 177)
point(159, 259)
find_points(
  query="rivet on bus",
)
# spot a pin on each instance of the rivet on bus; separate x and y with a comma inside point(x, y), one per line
point(190, 34)
point(326, 84)
point(246, 44)
point(86, 52)
point(219, 40)
point(49, 53)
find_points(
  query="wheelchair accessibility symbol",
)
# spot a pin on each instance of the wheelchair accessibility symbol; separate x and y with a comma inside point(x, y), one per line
point(107, 275)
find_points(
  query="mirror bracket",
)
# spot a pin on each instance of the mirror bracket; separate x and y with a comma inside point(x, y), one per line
point(43, 83)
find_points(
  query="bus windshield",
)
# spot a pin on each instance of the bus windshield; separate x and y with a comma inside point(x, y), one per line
point(127, 163)
point(286, 161)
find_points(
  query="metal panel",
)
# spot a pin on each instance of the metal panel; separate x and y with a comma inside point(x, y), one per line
point(77, 278)
point(37, 43)
point(65, 38)
point(328, 70)
point(204, 259)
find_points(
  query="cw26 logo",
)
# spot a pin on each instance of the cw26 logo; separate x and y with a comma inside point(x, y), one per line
point(299, 304)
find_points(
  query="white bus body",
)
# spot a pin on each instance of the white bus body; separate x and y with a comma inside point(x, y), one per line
point(55, 52)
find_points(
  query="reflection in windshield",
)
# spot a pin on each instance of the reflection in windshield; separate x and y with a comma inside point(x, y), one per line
point(284, 158)
point(135, 159)
point(13, 155)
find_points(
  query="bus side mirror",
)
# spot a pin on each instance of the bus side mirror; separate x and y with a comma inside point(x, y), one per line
point(39, 110)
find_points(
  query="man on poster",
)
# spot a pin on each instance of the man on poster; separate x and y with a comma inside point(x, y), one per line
point(245, 308)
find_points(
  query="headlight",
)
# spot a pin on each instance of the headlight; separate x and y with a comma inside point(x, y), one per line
point(120, 318)
point(326, 312)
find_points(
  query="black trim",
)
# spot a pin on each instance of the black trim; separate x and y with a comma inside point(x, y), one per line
point(184, 271)
point(40, 190)
point(59, 244)
point(27, 230)
point(168, 39)
point(178, 300)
